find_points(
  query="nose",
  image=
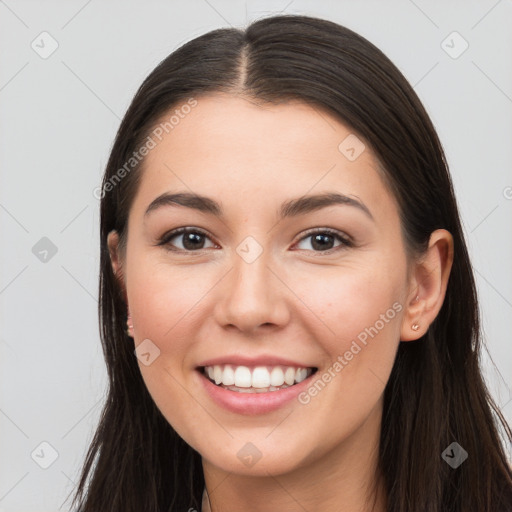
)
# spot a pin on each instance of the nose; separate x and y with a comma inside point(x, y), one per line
point(252, 297)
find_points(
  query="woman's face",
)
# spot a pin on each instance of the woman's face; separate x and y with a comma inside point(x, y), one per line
point(267, 277)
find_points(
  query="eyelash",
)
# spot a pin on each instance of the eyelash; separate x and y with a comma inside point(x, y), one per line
point(346, 242)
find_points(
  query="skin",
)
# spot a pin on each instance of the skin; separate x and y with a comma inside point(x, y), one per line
point(293, 300)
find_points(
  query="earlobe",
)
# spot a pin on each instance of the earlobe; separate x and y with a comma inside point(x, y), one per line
point(428, 285)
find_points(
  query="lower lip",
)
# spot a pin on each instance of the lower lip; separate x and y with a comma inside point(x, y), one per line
point(252, 403)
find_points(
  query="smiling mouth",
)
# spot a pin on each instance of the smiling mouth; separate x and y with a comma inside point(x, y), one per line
point(258, 379)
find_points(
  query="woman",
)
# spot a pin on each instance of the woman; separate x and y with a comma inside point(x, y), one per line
point(288, 311)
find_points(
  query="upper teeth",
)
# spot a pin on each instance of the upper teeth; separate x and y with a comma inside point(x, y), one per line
point(258, 377)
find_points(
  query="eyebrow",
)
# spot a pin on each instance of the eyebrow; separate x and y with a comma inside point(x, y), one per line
point(291, 208)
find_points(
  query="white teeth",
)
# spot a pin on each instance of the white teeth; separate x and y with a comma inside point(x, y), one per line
point(217, 374)
point(289, 375)
point(242, 377)
point(301, 374)
point(276, 376)
point(261, 378)
point(228, 377)
point(255, 390)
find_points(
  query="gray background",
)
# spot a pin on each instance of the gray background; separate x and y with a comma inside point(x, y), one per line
point(59, 117)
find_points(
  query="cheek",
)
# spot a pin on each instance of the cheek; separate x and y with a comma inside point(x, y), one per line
point(357, 326)
point(346, 304)
point(163, 299)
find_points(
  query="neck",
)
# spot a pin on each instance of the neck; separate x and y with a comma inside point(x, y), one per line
point(346, 479)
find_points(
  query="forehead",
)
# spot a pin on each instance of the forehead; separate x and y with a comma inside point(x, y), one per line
point(254, 154)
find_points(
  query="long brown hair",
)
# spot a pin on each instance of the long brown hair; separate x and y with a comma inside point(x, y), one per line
point(435, 395)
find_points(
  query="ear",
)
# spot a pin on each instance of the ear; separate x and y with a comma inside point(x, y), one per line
point(115, 259)
point(429, 280)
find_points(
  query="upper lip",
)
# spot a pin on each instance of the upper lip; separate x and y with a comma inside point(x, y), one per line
point(263, 360)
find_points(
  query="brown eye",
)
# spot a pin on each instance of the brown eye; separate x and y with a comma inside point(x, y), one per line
point(186, 239)
point(324, 240)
